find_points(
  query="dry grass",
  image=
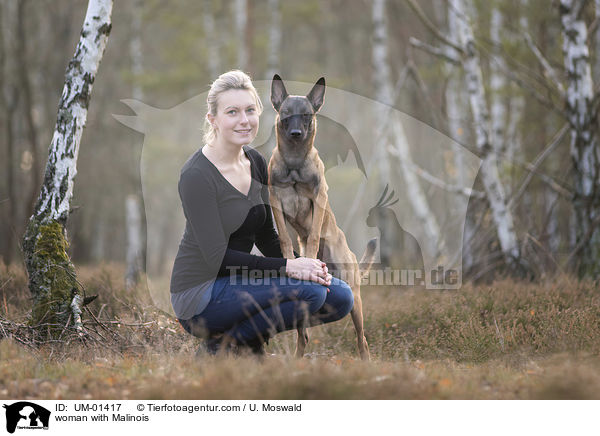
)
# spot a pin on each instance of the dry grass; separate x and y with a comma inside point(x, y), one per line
point(503, 341)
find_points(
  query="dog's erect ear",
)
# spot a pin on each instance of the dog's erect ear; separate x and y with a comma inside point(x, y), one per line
point(315, 96)
point(278, 92)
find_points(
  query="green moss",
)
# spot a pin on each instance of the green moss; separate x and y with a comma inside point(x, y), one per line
point(52, 279)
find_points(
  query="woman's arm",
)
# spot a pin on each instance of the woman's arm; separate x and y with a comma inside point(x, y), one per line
point(199, 199)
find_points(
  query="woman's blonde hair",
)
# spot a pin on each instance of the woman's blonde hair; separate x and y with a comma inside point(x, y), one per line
point(234, 79)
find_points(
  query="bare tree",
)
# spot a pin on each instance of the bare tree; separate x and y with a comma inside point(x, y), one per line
point(28, 104)
point(384, 92)
point(134, 249)
point(497, 84)
point(466, 54)
point(274, 55)
point(240, 12)
point(208, 18)
point(10, 97)
point(582, 114)
point(52, 280)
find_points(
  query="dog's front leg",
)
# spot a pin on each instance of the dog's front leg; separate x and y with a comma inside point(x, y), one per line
point(285, 242)
point(319, 209)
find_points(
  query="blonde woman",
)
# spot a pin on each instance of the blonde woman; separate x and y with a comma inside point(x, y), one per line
point(219, 290)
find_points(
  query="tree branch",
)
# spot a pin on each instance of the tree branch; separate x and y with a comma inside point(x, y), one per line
point(529, 89)
point(467, 192)
point(432, 27)
point(436, 51)
point(536, 164)
point(549, 72)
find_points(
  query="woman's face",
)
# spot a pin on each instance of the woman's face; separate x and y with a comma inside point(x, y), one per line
point(236, 121)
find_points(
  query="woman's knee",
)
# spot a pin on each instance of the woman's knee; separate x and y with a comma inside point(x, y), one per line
point(314, 295)
point(342, 297)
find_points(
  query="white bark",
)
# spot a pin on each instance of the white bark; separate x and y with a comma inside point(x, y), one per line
point(552, 230)
point(134, 240)
point(51, 273)
point(597, 40)
point(10, 93)
point(497, 85)
point(582, 116)
point(134, 248)
point(502, 216)
point(517, 105)
point(135, 50)
point(382, 77)
point(241, 21)
point(456, 129)
point(274, 38)
point(56, 193)
point(415, 194)
point(208, 19)
point(384, 93)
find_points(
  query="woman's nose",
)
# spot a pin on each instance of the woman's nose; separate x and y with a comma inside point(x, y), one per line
point(244, 118)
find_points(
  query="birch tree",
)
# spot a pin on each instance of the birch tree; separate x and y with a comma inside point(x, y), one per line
point(582, 115)
point(57, 299)
point(502, 215)
point(240, 13)
point(454, 110)
point(497, 84)
point(208, 19)
point(10, 98)
point(383, 93)
point(26, 88)
point(274, 54)
point(133, 203)
point(465, 53)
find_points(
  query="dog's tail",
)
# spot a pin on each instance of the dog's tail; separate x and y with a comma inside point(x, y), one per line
point(367, 259)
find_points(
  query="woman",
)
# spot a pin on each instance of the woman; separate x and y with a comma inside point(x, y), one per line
point(218, 289)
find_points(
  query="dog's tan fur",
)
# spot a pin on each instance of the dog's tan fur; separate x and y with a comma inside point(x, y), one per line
point(298, 195)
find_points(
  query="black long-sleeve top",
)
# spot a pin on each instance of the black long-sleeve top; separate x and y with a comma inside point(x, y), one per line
point(222, 224)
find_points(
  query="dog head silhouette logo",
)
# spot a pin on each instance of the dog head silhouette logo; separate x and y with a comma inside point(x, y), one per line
point(25, 414)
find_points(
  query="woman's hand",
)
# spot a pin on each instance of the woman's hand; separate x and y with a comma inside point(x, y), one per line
point(304, 268)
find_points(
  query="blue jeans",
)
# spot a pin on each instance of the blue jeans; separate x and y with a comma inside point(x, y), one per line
point(251, 313)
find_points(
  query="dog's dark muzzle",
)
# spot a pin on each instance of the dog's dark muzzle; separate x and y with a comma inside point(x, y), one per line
point(294, 127)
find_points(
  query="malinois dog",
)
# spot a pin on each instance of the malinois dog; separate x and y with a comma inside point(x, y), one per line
point(298, 195)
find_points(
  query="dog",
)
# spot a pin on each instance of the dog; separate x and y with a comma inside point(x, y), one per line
point(298, 195)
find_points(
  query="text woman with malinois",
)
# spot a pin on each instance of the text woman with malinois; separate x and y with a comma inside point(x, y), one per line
point(219, 290)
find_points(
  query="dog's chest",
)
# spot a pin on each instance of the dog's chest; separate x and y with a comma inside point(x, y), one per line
point(296, 188)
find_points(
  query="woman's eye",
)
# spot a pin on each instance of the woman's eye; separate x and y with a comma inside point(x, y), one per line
point(250, 110)
point(231, 112)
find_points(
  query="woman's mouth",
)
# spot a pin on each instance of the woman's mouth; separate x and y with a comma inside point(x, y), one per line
point(243, 131)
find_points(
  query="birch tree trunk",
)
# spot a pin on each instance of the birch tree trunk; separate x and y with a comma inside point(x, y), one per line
point(383, 94)
point(135, 248)
point(56, 298)
point(240, 11)
point(28, 104)
point(454, 112)
point(502, 216)
point(134, 241)
point(596, 72)
point(10, 97)
point(582, 116)
point(497, 84)
point(208, 19)
point(274, 54)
